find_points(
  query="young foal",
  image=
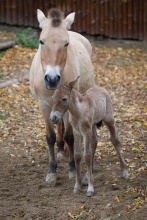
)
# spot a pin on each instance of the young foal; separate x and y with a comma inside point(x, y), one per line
point(86, 112)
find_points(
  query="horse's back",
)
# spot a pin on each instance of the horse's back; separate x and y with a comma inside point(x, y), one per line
point(80, 61)
point(83, 40)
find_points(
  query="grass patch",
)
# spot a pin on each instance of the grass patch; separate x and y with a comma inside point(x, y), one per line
point(27, 38)
point(2, 54)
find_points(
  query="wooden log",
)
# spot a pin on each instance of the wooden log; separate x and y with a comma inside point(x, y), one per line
point(6, 45)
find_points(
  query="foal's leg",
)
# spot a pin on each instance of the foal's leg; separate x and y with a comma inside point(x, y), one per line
point(60, 140)
point(116, 143)
point(51, 138)
point(94, 145)
point(89, 150)
point(77, 157)
point(69, 138)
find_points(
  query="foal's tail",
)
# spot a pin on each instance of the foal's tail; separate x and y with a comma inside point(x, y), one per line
point(99, 124)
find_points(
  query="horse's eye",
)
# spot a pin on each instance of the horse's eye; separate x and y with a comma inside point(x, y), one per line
point(66, 45)
point(64, 99)
point(41, 42)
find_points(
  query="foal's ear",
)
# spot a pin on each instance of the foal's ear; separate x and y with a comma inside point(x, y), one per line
point(69, 20)
point(41, 18)
point(71, 84)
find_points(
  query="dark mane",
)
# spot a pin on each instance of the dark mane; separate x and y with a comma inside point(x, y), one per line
point(56, 15)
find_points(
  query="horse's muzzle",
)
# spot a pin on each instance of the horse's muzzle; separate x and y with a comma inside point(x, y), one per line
point(51, 82)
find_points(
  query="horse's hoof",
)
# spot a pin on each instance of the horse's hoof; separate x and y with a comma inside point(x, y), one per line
point(126, 175)
point(76, 190)
point(61, 155)
point(51, 179)
point(71, 174)
point(89, 193)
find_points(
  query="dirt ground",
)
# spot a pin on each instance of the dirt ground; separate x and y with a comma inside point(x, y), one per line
point(24, 193)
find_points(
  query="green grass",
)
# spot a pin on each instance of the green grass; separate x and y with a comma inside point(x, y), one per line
point(27, 38)
point(2, 54)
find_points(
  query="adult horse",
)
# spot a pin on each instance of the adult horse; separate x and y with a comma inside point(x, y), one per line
point(62, 56)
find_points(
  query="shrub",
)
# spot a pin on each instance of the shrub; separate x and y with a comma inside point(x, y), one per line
point(27, 38)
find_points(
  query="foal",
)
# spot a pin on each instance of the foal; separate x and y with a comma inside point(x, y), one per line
point(86, 113)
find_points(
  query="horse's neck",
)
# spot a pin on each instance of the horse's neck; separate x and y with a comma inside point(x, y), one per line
point(75, 106)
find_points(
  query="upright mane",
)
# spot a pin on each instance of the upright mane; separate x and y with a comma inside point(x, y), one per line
point(56, 16)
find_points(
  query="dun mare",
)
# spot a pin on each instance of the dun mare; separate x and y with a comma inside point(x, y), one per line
point(86, 112)
point(62, 55)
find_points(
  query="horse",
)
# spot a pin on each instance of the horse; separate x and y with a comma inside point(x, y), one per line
point(62, 56)
point(86, 113)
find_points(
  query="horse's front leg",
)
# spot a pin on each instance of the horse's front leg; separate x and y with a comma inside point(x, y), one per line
point(51, 176)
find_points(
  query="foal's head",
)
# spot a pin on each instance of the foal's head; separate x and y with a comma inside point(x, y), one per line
point(61, 100)
point(54, 42)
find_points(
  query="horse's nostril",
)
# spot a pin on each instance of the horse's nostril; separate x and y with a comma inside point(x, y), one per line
point(46, 78)
point(58, 79)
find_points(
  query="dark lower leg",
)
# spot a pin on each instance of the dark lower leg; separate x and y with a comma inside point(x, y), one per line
point(70, 141)
point(52, 162)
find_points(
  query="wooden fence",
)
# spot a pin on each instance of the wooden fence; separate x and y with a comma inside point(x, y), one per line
point(119, 19)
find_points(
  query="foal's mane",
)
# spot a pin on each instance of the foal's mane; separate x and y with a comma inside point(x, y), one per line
point(56, 16)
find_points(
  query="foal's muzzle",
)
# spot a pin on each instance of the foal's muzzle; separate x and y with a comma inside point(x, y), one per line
point(55, 117)
point(51, 81)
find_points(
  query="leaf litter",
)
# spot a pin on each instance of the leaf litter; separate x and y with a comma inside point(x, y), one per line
point(123, 73)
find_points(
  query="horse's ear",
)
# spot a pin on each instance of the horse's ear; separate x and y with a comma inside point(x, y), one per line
point(41, 18)
point(69, 20)
point(71, 84)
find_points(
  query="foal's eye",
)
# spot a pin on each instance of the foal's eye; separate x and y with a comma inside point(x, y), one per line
point(66, 45)
point(41, 42)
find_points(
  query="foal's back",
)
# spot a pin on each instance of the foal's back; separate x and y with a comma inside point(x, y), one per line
point(100, 104)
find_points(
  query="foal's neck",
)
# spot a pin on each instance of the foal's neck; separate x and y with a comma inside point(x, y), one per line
point(75, 105)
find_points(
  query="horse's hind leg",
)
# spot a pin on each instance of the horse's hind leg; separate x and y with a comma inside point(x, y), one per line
point(51, 177)
point(116, 143)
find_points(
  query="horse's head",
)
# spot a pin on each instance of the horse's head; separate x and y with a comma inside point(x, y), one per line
point(54, 43)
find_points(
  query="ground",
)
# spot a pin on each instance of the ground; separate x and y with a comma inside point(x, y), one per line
point(24, 154)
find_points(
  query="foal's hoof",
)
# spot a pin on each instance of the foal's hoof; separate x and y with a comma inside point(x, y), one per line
point(89, 193)
point(126, 175)
point(71, 174)
point(51, 179)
